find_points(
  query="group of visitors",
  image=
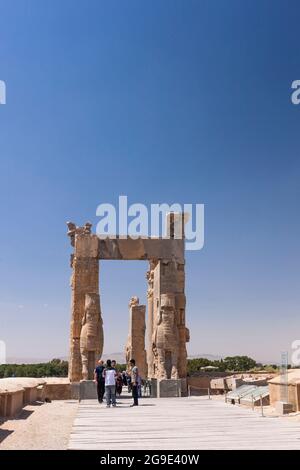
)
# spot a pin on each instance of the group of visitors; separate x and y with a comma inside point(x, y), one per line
point(110, 382)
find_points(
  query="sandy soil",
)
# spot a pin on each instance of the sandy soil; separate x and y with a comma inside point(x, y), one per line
point(39, 426)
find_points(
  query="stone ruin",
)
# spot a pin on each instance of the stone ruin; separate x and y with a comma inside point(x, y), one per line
point(135, 347)
point(166, 330)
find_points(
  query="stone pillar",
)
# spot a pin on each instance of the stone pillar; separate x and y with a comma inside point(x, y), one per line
point(169, 331)
point(91, 336)
point(183, 331)
point(84, 280)
point(135, 348)
point(150, 279)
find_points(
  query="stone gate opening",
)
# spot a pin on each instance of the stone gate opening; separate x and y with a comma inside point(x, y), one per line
point(166, 329)
point(119, 281)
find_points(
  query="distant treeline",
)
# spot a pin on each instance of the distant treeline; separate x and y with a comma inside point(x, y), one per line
point(230, 364)
point(59, 368)
point(54, 368)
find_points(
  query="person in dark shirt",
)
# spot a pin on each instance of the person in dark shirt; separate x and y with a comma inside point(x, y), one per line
point(99, 379)
point(124, 377)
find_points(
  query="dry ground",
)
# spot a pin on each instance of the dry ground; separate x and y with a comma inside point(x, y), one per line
point(39, 426)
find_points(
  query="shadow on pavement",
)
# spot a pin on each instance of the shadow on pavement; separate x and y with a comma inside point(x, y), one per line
point(4, 433)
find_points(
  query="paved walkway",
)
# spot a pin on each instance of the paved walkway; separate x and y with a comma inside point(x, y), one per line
point(179, 423)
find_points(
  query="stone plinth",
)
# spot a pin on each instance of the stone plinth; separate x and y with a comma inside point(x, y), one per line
point(58, 389)
point(75, 390)
point(166, 388)
point(14, 403)
point(87, 390)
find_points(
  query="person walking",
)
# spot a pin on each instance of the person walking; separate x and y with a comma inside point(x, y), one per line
point(109, 375)
point(99, 379)
point(134, 382)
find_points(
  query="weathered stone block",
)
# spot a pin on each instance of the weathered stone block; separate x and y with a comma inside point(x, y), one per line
point(166, 388)
point(87, 390)
point(75, 390)
point(14, 403)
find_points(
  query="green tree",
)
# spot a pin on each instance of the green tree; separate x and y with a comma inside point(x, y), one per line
point(239, 363)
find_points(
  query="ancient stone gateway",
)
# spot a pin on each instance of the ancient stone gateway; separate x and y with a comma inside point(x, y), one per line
point(166, 330)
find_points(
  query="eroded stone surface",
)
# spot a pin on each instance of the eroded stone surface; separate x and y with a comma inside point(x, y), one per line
point(91, 336)
point(135, 348)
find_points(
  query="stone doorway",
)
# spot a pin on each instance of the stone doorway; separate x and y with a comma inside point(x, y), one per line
point(167, 332)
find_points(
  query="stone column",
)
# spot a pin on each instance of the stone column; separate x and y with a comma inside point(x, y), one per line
point(84, 280)
point(169, 331)
point(135, 348)
point(91, 336)
point(150, 279)
point(183, 331)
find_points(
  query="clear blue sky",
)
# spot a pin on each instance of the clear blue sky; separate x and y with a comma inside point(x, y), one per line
point(164, 101)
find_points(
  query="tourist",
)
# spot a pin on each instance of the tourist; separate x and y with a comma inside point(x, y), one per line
point(119, 383)
point(124, 377)
point(109, 375)
point(134, 382)
point(99, 379)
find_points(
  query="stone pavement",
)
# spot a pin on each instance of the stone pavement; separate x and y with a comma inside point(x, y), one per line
point(179, 423)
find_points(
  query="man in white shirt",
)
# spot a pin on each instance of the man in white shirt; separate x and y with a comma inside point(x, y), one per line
point(109, 375)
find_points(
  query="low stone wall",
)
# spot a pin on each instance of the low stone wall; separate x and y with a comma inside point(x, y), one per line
point(220, 382)
point(293, 394)
point(57, 388)
point(14, 403)
point(199, 385)
point(11, 400)
point(293, 389)
point(17, 392)
point(3, 398)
